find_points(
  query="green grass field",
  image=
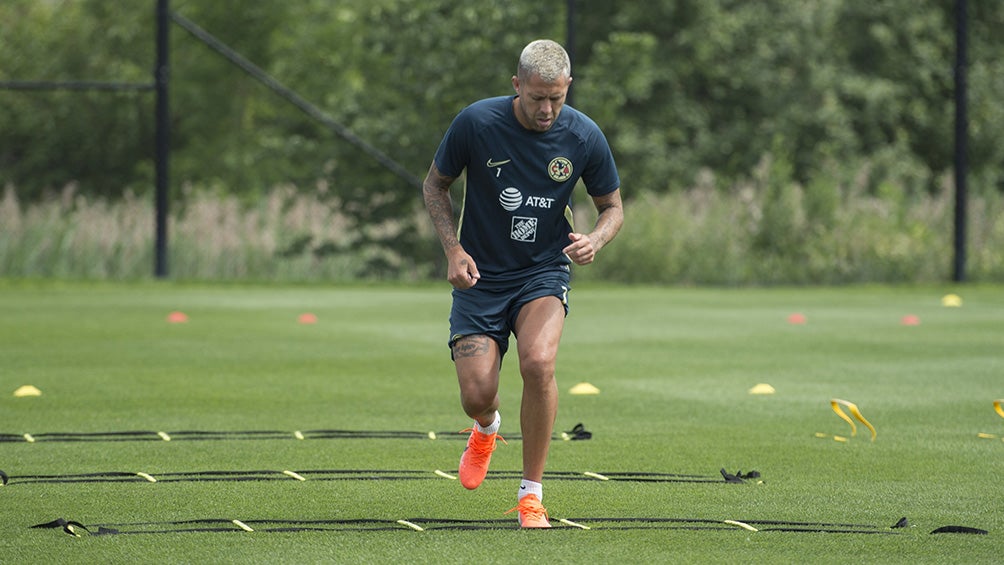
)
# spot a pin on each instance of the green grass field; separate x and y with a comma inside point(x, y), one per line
point(674, 367)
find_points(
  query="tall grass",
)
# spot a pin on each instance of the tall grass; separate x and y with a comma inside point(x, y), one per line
point(767, 230)
point(287, 235)
point(770, 231)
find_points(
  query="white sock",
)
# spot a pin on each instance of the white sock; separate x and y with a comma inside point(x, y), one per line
point(493, 428)
point(529, 487)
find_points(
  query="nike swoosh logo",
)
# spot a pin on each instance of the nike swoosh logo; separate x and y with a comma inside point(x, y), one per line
point(497, 163)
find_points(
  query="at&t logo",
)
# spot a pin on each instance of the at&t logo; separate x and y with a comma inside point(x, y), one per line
point(511, 199)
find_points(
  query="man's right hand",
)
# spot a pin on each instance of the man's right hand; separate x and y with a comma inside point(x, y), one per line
point(462, 272)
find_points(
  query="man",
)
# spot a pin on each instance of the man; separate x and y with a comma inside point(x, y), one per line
point(509, 260)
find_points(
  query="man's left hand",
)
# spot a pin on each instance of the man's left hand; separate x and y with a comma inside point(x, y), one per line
point(581, 251)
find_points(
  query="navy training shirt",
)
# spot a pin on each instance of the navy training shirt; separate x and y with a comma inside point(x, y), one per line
point(516, 216)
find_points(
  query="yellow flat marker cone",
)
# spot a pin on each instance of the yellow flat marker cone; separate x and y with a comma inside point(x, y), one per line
point(27, 390)
point(584, 388)
point(997, 407)
point(762, 388)
point(951, 301)
point(836, 403)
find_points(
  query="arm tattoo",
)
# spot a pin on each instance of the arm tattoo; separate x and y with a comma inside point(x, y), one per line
point(436, 193)
point(610, 217)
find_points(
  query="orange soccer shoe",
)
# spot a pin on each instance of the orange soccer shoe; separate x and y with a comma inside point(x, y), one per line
point(532, 513)
point(477, 455)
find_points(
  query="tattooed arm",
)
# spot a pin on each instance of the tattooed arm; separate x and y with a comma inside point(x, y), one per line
point(461, 270)
point(584, 247)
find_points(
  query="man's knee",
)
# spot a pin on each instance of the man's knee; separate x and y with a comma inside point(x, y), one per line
point(537, 366)
point(478, 395)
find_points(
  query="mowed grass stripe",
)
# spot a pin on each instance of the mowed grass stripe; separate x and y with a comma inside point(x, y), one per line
point(673, 366)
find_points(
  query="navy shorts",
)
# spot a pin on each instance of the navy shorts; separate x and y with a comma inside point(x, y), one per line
point(491, 310)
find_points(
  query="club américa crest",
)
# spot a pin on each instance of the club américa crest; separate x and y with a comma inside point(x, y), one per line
point(560, 169)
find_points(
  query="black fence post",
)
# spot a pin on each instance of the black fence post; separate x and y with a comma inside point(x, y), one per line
point(961, 142)
point(163, 135)
point(570, 42)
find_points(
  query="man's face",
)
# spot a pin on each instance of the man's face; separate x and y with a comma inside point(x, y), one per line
point(539, 102)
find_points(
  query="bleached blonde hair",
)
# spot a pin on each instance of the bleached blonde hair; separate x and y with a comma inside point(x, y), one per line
point(546, 59)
